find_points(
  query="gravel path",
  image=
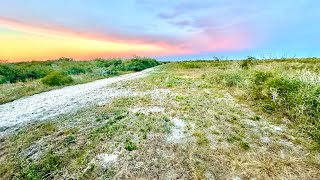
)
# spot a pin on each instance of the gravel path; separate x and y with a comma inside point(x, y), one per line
point(63, 101)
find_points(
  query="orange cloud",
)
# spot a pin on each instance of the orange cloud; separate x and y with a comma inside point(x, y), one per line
point(40, 42)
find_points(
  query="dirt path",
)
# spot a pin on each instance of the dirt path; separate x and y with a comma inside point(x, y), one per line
point(63, 101)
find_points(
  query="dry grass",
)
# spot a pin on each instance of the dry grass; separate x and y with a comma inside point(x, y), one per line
point(10, 92)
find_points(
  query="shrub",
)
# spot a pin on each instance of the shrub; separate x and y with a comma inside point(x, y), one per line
point(233, 80)
point(260, 77)
point(3, 79)
point(192, 65)
point(57, 79)
point(107, 63)
point(139, 64)
point(229, 79)
point(284, 86)
point(245, 64)
point(299, 101)
point(21, 72)
point(76, 70)
point(8, 72)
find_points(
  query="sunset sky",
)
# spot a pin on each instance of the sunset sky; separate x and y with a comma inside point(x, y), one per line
point(167, 30)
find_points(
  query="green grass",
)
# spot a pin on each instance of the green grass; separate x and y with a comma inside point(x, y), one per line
point(41, 170)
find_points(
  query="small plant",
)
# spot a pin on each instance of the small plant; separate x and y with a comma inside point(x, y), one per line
point(69, 140)
point(256, 118)
point(244, 145)
point(42, 170)
point(233, 138)
point(30, 172)
point(202, 140)
point(129, 145)
point(50, 163)
point(103, 117)
point(57, 79)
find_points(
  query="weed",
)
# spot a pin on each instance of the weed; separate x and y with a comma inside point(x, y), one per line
point(130, 145)
point(256, 118)
point(103, 117)
point(49, 163)
point(202, 140)
point(233, 79)
point(244, 145)
point(69, 140)
point(233, 138)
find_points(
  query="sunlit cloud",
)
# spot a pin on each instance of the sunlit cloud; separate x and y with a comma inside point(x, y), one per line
point(39, 42)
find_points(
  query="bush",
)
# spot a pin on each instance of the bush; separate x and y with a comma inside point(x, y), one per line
point(285, 86)
point(193, 65)
point(260, 77)
point(139, 64)
point(8, 73)
point(57, 79)
point(107, 63)
point(21, 72)
point(230, 79)
point(299, 101)
point(76, 70)
point(245, 64)
point(3, 79)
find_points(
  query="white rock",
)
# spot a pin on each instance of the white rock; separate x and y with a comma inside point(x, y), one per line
point(177, 131)
point(265, 140)
point(105, 160)
point(148, 110)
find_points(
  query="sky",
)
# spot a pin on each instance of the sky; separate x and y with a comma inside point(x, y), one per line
point(162, 29)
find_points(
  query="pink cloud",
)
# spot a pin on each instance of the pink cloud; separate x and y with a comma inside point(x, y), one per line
point(54, 30)
point(205, 39)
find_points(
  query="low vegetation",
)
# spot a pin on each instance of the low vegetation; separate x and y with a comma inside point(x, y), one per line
point(27, 78)
point(288, 89)
point(251, 119)
point(56, 78)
